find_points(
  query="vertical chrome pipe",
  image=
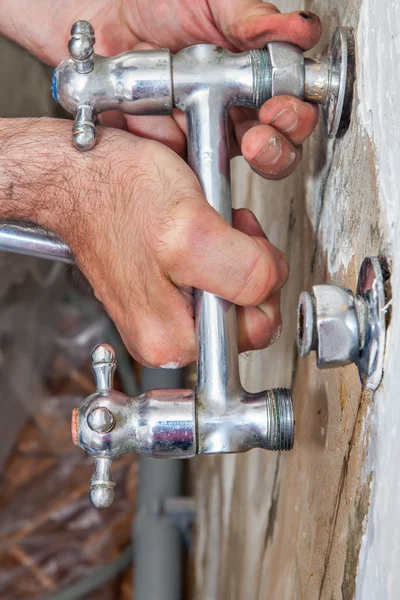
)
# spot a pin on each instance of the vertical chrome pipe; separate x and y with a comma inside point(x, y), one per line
point(208, 153)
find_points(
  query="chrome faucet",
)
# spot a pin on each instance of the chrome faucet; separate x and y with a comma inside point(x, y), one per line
point(204, 81)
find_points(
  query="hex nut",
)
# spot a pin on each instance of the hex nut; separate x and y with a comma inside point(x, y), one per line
point(287, 69)
point(337, 328)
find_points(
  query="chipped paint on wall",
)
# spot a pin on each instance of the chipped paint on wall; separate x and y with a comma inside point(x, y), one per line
point(378, 37)
point(292, 527)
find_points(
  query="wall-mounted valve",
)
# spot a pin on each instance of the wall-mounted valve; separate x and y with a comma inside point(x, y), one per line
point(148, 81)
point(344, 328)
point(170, 424)
point(204, 81)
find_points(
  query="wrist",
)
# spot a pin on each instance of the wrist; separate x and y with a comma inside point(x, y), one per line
point(38, 173)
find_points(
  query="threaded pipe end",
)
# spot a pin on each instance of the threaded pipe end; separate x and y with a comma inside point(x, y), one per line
point(280, 419)
point(262, 84)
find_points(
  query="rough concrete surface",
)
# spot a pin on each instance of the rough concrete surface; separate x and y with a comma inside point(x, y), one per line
point(291, 526)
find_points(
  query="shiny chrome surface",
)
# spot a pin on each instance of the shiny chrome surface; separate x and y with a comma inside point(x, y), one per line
point(287, 69)
point(228, 418)
point(158, 423)
point(102, 484)
point(101, 420)
point(84, 129)
point(164, 423)
point(344, 328)
point(80, 46)
point(372, 305)
point(33, 241)
point(336, 331)
point(108, 424)
point(333, 108)
point(136, 83)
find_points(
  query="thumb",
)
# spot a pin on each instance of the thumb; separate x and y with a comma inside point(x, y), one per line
point(204, 252)
point(252, 24)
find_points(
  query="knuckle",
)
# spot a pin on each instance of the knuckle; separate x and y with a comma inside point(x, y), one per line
point(182, 238)
point(164, 351)
point(261, 278)
point(160, 354)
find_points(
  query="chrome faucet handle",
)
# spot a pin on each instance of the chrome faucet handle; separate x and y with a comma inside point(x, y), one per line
point(80, 46)
point(102, 484)
point(81, 51)
point(103, 366)
point(84, 129)
point(101, 420)
point(109, 424)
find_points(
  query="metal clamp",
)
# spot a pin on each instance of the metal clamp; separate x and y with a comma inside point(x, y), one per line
point(344, 328)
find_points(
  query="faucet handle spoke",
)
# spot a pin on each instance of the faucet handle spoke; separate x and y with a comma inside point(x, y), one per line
point(103, 366)
point(102, 484)
point(80, 46)
point(84, 129)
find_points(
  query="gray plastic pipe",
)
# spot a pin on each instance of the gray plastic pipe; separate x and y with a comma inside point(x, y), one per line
point(157, 544)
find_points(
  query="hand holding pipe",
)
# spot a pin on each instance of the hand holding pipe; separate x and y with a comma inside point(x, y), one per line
point(204, 81)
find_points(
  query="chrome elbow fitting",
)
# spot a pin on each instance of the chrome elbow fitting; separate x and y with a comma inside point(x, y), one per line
point(164, 423)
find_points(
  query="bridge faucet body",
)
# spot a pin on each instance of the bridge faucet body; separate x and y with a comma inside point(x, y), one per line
point(204, 81)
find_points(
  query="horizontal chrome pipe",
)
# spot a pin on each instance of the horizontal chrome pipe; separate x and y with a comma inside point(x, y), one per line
point(33, 241)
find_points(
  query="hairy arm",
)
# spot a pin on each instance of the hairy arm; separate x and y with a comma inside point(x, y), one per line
point(270, 141)
point(143, 234)
point(36, 168)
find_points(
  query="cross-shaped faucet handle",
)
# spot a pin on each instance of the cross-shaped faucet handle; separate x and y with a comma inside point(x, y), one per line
point(101, 420)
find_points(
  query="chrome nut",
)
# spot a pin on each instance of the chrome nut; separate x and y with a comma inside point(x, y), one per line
point(287, 69)
point(328, 323)
point(347, 328)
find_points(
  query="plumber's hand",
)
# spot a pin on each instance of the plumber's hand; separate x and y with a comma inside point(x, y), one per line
point(270, 141)
point(135, 217)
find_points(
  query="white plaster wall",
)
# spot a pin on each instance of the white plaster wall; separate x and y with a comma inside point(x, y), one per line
point(378, 38)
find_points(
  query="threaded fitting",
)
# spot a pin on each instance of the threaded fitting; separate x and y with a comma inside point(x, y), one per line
point(262, 84)
point(280, 419)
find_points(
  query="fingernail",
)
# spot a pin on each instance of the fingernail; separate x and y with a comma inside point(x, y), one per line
point(270, 153)
point(257, 222)
point(307, 15)
point(284, 269)
point(286, 120)
point(171, 365)
point(268, 309)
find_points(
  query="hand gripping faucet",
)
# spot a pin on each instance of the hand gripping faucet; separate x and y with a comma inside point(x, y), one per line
point(204, 81)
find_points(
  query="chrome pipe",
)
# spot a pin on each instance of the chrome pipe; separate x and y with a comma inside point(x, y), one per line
point(31, 240)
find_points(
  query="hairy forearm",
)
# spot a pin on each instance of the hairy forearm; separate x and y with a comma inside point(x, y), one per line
point(43, 179)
